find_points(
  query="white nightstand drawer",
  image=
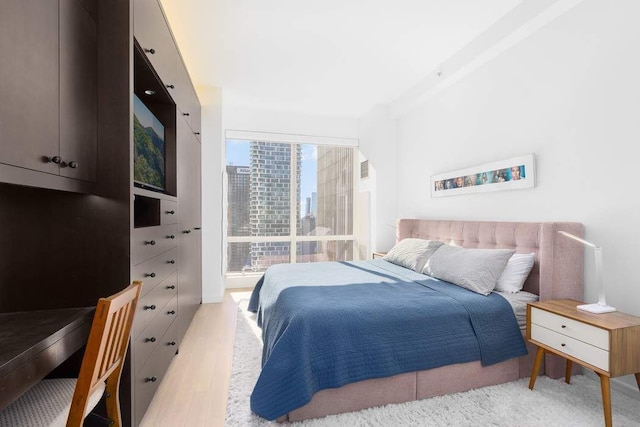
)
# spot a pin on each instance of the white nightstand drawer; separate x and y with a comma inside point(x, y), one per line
point(571, 328)
point(588, 353)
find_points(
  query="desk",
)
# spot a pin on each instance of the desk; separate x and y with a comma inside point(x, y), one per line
point(33, 343)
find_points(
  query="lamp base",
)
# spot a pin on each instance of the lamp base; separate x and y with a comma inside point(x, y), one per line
point(596, 308)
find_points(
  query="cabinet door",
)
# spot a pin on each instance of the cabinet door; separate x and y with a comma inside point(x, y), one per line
point(187, 250)
point(183, 93)
point(78, 92)
point(152, 32)
point(29, 83)
point(196, 117)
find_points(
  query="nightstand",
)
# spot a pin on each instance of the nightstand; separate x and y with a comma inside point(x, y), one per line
point(608, 344)
point(378, 254)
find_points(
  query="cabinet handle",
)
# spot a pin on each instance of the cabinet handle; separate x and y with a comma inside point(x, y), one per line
point(170, 86)
point(171, 212)
point(149, 307)
point(171, 343)
point(171, 312)
point(197, 228)
point(152, 339)
point(171, 261)
point(185, 114)
point(150, 379)
point(55, 159)
point(149, 274)
point(187, 231)
point(196, 133)
point(171, 287)
point(171, 236)
point(151, 51)
point(73, 165)
point(150, 242)
point(564, 326)
point(563, 344)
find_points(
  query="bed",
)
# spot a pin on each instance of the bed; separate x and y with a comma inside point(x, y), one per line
point(313, 365)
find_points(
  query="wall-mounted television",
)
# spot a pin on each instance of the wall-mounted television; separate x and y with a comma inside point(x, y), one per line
point(149, 148)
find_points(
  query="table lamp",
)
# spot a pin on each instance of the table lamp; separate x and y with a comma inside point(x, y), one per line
point(601, 306)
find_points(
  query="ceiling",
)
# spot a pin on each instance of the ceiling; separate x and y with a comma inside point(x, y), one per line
point(335, 57)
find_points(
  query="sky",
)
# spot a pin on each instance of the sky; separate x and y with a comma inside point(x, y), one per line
point(238, 155)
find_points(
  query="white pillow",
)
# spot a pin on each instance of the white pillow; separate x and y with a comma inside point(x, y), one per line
point(477, 270)
point(412, 253)
point(515, 273)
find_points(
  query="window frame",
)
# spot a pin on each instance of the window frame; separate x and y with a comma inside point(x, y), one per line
point(248, 278)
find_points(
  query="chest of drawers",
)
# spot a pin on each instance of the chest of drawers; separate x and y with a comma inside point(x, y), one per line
point(609, 343)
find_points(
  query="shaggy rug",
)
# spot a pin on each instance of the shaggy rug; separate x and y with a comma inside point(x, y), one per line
point(551, 403)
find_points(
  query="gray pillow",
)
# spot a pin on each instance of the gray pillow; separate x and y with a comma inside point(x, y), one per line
point(412, 253)
point(475, 269)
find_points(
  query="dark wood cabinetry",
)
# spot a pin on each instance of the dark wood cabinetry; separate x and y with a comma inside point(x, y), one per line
point(66, 124)
point(152, 32)
point(172, 291)
point(49, 94)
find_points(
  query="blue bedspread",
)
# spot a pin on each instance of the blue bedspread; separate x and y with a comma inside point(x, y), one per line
point(325, 325)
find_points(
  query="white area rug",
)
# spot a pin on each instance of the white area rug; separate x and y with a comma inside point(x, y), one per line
point(551, 403)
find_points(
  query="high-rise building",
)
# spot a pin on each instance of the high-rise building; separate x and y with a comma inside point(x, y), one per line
point(270, 206)
point(238, 216)
point(335, 198)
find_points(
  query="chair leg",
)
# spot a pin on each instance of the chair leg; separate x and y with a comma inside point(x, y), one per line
point(113, 399)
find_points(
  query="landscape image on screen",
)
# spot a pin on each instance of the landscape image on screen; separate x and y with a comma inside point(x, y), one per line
point(149, 151)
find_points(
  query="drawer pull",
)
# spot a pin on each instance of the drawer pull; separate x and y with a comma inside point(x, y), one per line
point(196, 133)
point(149, 307)
point(171, 212)
point(170, 86)
point(150, 242)
point(151, 51)
point(149, 274)
point(150, 379)
point(563, 344)
point(171, 287)
point(152, 339)
point(73, 165)
point(171, 261)
point(185, 114)
point(187, 231)
point(171, 236)
point(197, 228)
point(171, 312)
point(171, 343)
point(564, 326)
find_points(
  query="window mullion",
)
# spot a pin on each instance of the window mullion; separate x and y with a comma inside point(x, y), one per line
point(293, 210)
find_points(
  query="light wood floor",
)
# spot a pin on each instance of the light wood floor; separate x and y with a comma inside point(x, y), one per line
point(193, 392)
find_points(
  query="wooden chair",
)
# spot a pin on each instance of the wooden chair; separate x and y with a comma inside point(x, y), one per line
point(54, 401)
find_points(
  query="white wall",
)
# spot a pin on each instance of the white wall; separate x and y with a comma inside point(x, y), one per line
point(378, 145)
point(570, 93)
point(212, 161)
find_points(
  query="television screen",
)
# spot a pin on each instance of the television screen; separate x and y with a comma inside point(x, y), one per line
point(149, 149)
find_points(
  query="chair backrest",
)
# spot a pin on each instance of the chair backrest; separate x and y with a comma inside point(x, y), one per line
point(105, 352)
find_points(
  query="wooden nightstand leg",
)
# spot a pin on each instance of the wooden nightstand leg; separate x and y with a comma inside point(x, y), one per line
point(638, 379)
point(567, 374)
point(536, 367)
point(606, 399)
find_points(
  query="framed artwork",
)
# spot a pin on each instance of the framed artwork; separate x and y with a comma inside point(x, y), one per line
point(509, 174)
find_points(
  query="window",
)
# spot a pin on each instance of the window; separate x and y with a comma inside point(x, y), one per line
point(288, 202)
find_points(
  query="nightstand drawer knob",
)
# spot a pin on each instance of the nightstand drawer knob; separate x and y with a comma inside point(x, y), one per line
point(564, 326)
point(563, 344)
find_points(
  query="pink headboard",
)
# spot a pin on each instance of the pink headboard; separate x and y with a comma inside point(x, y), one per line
point(558, 269)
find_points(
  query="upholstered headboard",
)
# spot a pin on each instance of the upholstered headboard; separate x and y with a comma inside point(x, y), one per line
point(558, 269)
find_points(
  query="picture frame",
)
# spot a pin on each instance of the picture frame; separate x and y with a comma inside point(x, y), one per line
point(509, 174)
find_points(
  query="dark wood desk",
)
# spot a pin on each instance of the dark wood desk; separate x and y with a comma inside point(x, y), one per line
point(33, 343)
